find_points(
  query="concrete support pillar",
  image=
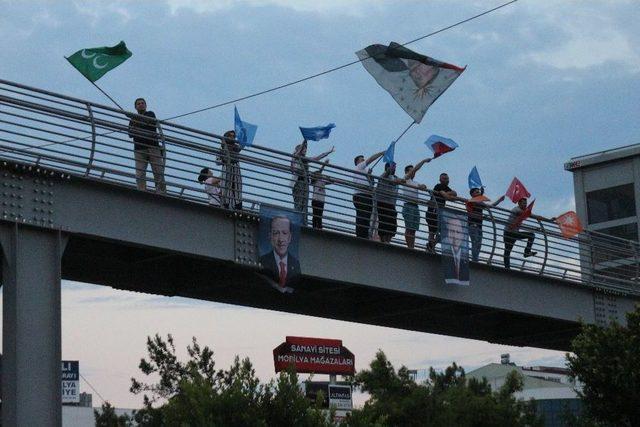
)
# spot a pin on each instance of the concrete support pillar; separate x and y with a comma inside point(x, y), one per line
point(31, 366)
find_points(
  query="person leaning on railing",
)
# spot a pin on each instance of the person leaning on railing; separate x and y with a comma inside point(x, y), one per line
point(410, 210)
point(512, 231)
point(142, 128)
point(362, 198)
point(231, 174)
point(386, 195)
point(211, 186)
point(441, 192)
point(300, 171)
point(319, 182)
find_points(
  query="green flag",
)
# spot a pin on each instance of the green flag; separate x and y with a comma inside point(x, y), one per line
point(95, 62)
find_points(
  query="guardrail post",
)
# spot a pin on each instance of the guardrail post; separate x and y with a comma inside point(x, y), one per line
point(163, 149)
point(93, 139)
point(546, 246)
point(495, 236)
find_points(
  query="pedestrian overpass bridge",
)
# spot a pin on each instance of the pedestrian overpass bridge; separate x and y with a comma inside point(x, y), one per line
point(71, 210)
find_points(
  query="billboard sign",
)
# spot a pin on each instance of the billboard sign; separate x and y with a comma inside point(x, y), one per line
point(70, 381)
point(336, 395)
point(314, 356)
point(340, 396)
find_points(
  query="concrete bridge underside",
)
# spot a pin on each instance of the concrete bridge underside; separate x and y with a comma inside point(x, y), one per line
point(148, 270)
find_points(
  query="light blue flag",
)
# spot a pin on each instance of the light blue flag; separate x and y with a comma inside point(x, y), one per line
point(474, 179)
point(245, 132)
point(317, 133)
point(389, 154)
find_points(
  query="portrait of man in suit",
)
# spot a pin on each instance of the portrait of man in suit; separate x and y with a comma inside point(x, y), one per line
point(279, 264)
point(455, 249)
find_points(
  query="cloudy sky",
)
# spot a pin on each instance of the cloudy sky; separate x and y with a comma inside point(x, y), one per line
point(545, 81)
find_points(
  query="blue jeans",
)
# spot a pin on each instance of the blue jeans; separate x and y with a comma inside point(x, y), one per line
point(475, 233)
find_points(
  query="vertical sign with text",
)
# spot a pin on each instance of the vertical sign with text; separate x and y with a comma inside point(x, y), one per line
point(70, 381)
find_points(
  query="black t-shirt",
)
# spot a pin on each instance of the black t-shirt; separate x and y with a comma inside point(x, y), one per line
point(143, 130)
point(440, 201)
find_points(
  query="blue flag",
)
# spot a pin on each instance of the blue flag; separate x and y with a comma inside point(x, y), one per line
point(317, 133)
point(388, 155)
point(245, 132)
point(474, 179)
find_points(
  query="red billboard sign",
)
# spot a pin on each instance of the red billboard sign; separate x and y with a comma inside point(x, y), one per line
point(314, 356)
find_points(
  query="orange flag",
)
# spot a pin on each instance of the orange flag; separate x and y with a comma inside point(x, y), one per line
point(569, 224)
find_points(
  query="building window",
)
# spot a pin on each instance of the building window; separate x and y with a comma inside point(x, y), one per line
point(611, 203)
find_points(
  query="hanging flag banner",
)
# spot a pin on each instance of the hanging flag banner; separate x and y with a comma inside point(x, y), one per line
point(474, 179)
point(517, 191)
point(455, 246)
point(245, 131)
point(278, 242)
point(440, 145)
point(415, 81)
point(95, 62)
point(389, 155)
point(314, 356)
point(317, 133)
point(569, 224)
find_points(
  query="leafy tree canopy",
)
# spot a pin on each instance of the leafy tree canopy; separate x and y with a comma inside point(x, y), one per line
point(606, 360)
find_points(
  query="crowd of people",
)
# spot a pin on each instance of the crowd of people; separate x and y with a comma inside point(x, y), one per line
point(374, 198)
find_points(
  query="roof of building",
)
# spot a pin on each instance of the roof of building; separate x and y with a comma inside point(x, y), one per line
point(600, 157)
point(494, 371)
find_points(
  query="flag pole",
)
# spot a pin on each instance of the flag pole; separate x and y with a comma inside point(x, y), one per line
point(107, 95)
point(397, 139)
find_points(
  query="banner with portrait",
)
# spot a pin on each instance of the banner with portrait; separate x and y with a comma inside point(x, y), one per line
point(278, 241)
point(454, 241)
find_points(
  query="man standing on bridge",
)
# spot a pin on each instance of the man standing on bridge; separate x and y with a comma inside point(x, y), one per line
point(142, 128)
point(362, 198)
point(439, 196)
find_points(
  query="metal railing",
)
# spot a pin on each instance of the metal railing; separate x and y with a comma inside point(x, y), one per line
point(92, 141)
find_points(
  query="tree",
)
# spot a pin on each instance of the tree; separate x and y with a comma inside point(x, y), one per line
point(606, 360)
point(195, 393)
point(445, 399)
point(106, 417)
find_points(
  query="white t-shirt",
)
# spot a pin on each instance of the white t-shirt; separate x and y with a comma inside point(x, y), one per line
point(359, 179)
point(410, 191)
point(213, 191)
point(319, 191)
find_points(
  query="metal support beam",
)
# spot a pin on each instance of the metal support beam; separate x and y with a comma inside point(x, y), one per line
point(31, 372)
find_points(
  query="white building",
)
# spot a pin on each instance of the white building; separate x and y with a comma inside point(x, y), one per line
point(550, 387)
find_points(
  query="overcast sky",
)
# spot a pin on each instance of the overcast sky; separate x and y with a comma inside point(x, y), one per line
point(545, 81)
